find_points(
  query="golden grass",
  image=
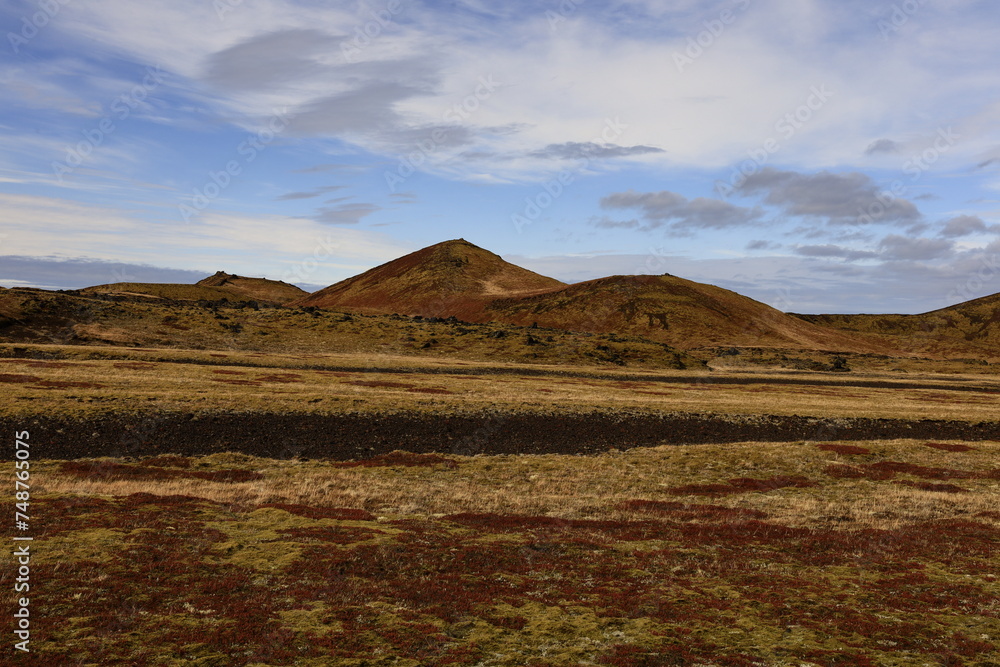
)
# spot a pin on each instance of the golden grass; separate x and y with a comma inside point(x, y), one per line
point(142, 380)
point(580, 487)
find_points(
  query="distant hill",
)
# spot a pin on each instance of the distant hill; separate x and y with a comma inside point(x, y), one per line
point(214, 288)
point(971, 328)
point(259, 289)
point(450, 278)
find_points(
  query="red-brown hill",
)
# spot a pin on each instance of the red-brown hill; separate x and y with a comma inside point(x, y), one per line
point(457, 278)
point(682, 313)
point(968, 329)
point(450, 278)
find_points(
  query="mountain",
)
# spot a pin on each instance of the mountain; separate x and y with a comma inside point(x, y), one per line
point(457, 278)
point(213, 288)
point(971, 329)
point(450, 278)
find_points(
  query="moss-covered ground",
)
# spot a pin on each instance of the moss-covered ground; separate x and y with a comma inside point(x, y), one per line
point(861, 553)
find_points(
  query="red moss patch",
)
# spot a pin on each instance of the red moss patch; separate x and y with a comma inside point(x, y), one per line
point(691, 511)
point(168, 461)
point(245, 383)
point(742, 485)
point(843, 449)
point(226, 475)
point(17, 378)
point(399, 458)
point(66, 384)
point(884, 470)
point(943, 446)
point(109, 470)
point(34, 363)
point(928, 486)
point(280, 377)
point(339, 513)
point(772, 483)
point(430, 390)
point(222, 372)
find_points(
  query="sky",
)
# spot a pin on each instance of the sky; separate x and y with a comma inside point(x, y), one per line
point(821, 156)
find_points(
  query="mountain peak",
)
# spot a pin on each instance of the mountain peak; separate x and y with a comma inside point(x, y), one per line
point(453, 277)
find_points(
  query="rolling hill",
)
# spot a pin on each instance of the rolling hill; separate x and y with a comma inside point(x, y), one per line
point(457, 278)
point(219, 286)
point(672, 310)
point(971, 328)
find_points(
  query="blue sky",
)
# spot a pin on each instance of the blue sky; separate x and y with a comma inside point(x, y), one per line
point(819, 156)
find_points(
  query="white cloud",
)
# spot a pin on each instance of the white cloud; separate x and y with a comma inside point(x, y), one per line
point(270, 245)
point(560, 86)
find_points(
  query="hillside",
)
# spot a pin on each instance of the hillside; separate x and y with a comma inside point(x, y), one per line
point(679, 312)
point(41, 317)
point(453, 278)
point(214, 288)
point(971, 328)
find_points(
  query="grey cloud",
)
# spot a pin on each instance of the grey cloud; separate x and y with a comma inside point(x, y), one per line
point(892, 248)
point(882, 146)
point(345, 214)
point(434, 136)
point(831, 250)
point(963, 225)
point(839, 198)
point(52, 273)
point(895, 248)
point(310, 193)
point(762, 245)
point(605, 222)
point(270, 60)
point(669, 208)
point(577, 150)
point(367, 109)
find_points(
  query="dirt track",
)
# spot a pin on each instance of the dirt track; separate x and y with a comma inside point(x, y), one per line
point(363, 435)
